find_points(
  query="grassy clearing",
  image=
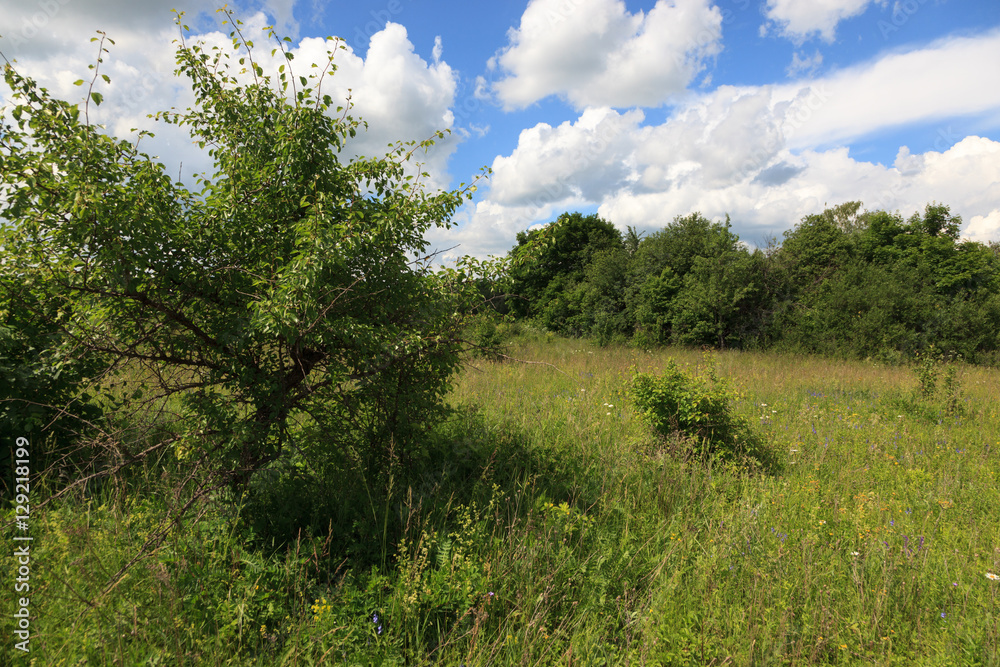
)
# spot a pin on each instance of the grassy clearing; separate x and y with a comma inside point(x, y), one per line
point(546, 525)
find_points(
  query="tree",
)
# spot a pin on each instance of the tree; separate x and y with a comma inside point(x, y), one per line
point(816, 249)
point(693, 283)
point(287, 287)
point(888, 288)
point(541, 285)
point(38, 392)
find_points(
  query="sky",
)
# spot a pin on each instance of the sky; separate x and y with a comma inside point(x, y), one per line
point(639, 111)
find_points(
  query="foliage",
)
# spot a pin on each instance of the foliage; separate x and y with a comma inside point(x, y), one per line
point(845, 282)
point(543, 528)
point(884, 288)
point(286, 288)
point(700, 408)
point(693, 283)
point(543, 286)
point(490, 336)
point(40, 392)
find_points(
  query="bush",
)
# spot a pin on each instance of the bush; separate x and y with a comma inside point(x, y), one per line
point(699, 408)
point(489, 338)
point(283, 289)
point(39, 389)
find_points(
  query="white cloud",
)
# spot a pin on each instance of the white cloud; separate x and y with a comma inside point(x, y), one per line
point(402, 96)
point(487, 228)
point(581, 160)
point(800, 19)
point(946, 79)
point(284, 19)
point(766, 155)
point(596, 53)
point(984, 228)
point(803, 64)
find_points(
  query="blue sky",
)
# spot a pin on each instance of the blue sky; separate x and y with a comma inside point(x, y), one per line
point(640, 111)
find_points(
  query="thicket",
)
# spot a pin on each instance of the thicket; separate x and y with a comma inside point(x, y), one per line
point(846, 282)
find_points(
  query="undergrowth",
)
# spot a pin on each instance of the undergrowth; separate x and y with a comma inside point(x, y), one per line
point(546, 523)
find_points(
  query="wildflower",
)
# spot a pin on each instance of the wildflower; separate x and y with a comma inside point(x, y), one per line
point(943, 615)
point(992, 577)
point(855, 553)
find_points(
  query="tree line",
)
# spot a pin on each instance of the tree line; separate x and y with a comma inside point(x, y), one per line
point(845, 282)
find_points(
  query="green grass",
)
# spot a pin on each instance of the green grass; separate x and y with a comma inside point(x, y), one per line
point(546, 524)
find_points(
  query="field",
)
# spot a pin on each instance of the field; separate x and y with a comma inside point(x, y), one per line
point(545, 524)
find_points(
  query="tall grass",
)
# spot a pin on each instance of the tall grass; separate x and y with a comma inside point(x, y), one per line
point(546, 525)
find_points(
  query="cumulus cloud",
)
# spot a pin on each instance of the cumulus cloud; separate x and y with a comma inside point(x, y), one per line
point(768, 198)
point(582, 160)
point(984, 228)
point(767, 155)
point(800, 20)
point(402, 96)
point(597, 53)
point(284, 18)
point(47, 28)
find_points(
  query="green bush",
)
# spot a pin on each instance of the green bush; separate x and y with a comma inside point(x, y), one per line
point(488, 338)
point(699, 409)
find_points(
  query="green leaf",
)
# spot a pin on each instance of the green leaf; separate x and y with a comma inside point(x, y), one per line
point(79, 82)
point(97, 97)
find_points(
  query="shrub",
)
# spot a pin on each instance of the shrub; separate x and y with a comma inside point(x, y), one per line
point(699, 408)
point(489, 338)
point(283, 289)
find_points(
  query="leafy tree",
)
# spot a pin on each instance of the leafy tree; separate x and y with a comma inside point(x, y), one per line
point(285, 291)
point(603, 311)
point(676, 245)
point(816, 249)
point(39, 397)
point(888, 288)
point(693, 283)
point(720, 300)
point(541, 286)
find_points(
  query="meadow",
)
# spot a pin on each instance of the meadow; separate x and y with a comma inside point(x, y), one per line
point(546, 524)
